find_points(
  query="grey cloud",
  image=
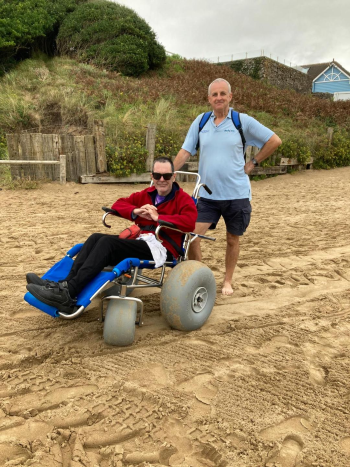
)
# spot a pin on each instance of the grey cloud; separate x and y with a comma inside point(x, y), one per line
point(298, 31)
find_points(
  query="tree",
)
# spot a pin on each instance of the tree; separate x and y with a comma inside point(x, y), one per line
point(30, 24)
point(22, 21)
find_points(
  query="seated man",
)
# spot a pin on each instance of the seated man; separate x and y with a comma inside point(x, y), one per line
point(165, 200)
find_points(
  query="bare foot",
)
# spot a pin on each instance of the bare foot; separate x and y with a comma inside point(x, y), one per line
point(226, 288)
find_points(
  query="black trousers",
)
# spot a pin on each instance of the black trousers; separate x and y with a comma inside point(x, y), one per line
point(99, 251)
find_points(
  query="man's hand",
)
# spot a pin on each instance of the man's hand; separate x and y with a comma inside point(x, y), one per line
point(148, 211)
point(248, 168)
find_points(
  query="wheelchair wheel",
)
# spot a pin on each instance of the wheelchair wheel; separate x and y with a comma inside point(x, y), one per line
point(119, 324)
point(188, 295)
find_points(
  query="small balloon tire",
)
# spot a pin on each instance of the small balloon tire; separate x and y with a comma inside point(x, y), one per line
point(119, 323)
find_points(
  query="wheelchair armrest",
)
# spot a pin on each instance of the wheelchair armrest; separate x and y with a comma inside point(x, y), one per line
point(108, 211)
point(167, 224)
point(171, 226)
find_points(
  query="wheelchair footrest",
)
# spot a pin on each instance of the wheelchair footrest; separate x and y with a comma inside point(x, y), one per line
point(61, 269)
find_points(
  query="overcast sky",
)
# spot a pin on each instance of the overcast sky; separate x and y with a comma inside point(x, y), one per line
point(297, 31)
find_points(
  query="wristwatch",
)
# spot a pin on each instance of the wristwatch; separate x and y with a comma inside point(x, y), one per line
point(255, 162)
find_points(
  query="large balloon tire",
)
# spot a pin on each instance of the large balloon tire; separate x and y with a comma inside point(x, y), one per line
point(119, 324)
point(188, 296)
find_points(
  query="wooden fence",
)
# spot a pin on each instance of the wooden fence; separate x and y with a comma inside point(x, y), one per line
point(86, 157)
point(85, 154)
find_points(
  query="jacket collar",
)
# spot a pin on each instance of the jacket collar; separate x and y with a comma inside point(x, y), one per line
point(153, 192)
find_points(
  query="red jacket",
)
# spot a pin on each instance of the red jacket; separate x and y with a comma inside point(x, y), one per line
point(180, 210)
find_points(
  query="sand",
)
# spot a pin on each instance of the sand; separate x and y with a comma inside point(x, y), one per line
point(265, 382)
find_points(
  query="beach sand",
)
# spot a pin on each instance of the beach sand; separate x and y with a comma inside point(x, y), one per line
point(265, 382)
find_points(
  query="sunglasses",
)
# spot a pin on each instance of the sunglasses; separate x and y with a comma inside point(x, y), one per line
point(158, 176)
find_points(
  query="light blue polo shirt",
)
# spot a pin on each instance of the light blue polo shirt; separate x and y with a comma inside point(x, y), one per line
point(221, 162)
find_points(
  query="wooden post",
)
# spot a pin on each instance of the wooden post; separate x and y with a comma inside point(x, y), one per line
point(25, 153)
point(63, 177)
point(100, 139)
point(80, 155)
point(66, 146)
point(90, 155)
point(37, 147)
point(150, 145)
point(56, 151)
point(330, 135)
point(13, 151)
point(48, 155)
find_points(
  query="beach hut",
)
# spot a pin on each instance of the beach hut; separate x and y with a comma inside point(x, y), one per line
point(329, 78)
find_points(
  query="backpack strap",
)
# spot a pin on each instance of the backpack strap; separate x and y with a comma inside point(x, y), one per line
point(236, 120)
point(202, 123)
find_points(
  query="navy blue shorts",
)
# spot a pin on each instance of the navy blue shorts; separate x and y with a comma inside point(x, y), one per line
point(236, 213)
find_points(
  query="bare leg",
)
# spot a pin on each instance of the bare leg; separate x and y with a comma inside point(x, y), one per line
point(195, 248)
point(232, 253)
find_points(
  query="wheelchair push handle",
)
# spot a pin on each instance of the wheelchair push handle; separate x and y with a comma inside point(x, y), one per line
point(207, 189)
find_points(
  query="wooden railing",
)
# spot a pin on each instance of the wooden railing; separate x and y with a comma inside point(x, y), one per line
point(62, 163)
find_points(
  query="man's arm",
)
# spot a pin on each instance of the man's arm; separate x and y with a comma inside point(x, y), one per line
point(181, 158)
point(269, 148)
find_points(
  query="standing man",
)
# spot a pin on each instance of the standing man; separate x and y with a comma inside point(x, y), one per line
point(222, 167)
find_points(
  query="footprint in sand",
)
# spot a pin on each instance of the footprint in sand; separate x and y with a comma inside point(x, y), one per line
point(292, 445)
point(288, 455)
point(204, 389)
point(153, 376)
point(286, 427)
point(318, 357)
point(345, 444)
point(273, 344)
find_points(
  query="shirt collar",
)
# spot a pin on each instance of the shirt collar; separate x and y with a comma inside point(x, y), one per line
point(227, 116)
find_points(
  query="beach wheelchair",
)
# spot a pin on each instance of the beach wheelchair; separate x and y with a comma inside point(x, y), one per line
point(187, 294)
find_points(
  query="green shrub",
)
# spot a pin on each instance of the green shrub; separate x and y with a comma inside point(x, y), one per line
point(126, 54)
point(128, 156)
point(112, 36)
point(341, 148)
point(168, 143)
point(174, 64)
point(295, 148)
point(27, 26)
point(336, 154)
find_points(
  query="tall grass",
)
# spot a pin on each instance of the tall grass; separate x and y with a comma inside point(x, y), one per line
point(63, 93)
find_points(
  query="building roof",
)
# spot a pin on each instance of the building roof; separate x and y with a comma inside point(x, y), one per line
point(315, 69)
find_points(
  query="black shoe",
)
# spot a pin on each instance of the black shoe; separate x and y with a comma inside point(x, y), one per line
point(34, 279)
point(56, 295)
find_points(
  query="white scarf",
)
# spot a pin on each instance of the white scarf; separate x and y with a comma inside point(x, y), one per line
point(158, 251)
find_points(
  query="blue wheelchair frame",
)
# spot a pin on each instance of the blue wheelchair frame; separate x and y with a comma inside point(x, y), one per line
point(130, 267)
